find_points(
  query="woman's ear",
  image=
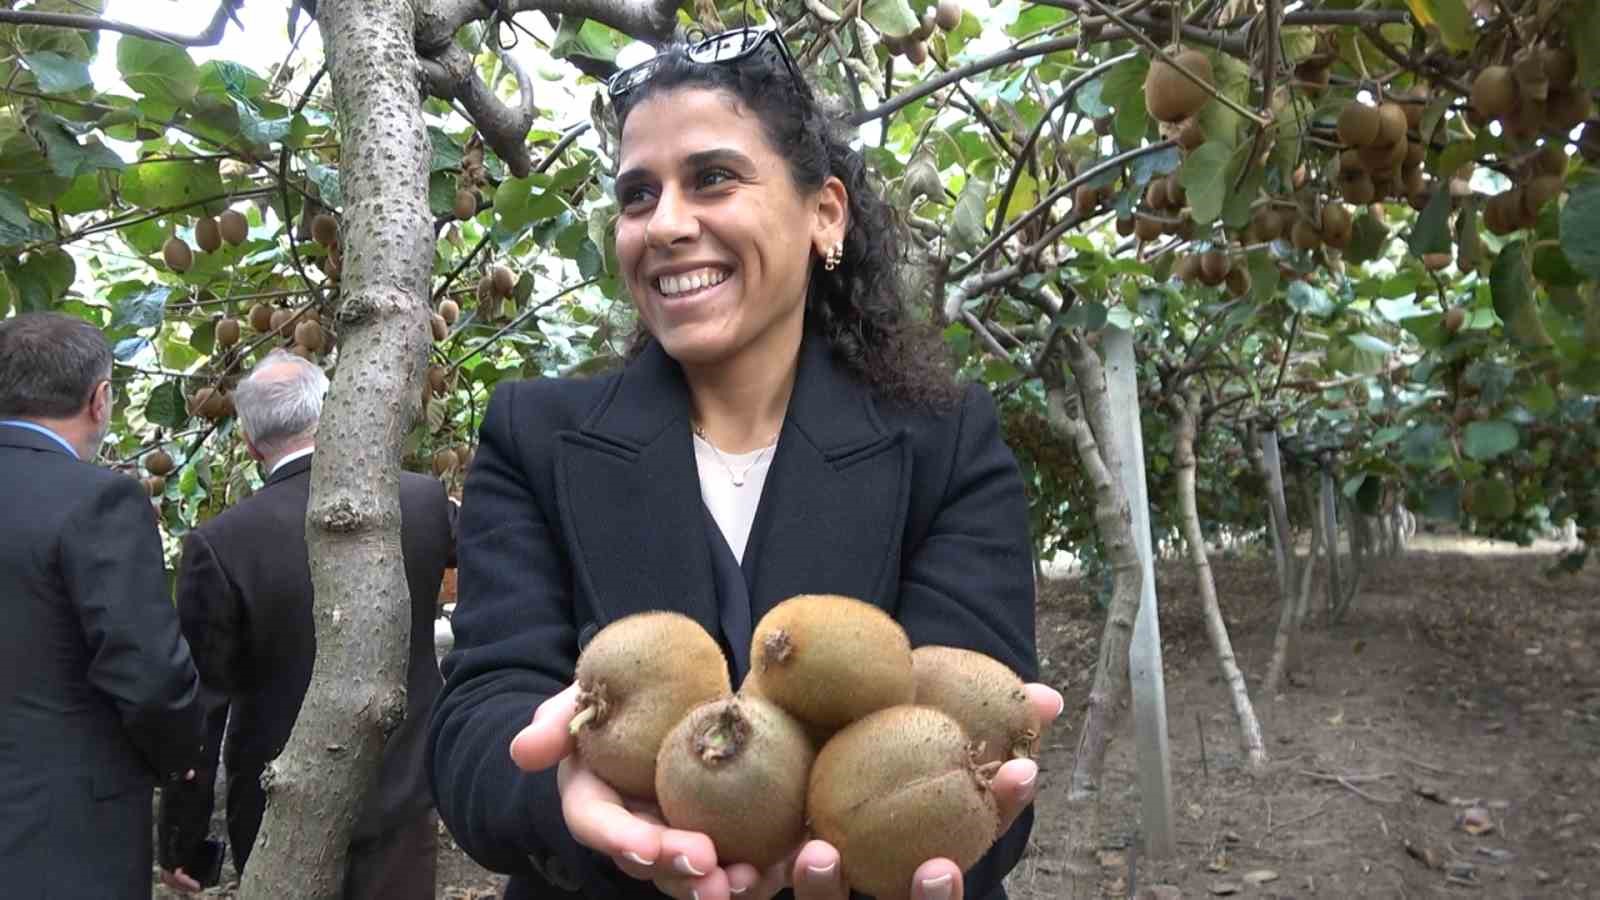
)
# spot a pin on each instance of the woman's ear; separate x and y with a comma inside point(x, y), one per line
point(832, 217)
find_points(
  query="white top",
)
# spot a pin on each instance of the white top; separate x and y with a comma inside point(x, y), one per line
point(289, 458)
point(732, 505)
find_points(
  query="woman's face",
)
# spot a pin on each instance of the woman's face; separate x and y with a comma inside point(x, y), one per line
point(714, 238)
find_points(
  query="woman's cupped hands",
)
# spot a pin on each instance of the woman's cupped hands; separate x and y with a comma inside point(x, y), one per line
point(684, 864)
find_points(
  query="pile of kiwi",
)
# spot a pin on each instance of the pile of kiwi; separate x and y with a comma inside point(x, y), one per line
point(840, 729)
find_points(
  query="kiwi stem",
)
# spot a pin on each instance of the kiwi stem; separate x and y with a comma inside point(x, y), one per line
point(584, 717)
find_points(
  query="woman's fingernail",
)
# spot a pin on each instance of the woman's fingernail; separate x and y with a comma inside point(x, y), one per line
point(938, 888)
point(1032, 777)
point(683, 865)
point(823, 871)
point(1061, 704)
point(736, 891)
point(639, 859)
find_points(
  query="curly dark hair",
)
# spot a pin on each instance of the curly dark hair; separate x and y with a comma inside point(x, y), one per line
point(860, 307)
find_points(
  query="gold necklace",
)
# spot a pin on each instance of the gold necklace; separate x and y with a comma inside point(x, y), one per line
point(739, 479)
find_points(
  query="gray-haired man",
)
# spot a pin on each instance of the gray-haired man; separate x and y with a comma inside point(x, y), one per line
point(244, 597)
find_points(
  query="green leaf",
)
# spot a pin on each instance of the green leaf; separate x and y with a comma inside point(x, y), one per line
point(257, 129)
point(57, 74)
point(1085, 314)
point(1367, 239)
point(1580, 228)
point(1304, 297)
point(1493, 499)
point(1124, 90)
point(16, 226)
point(1540, 398)
point(520, 201)
point(158, 70)
point(1432, 232)
point(1204, 176)
point(967, 229)
point(892, 17)
point(171, 182)
point(1454, 156)
point(326, 178)
point(1264, 278)
point(1486, 440)
point(1582, 28)
point(1450, 17)
point(1090, 99)
point(446, 153)
point(143, 309)
point(165, 406)
point(1511, 287)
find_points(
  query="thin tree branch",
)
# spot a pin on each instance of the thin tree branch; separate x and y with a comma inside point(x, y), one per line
point(978, 67)
point(521, 317)
point(209, 37)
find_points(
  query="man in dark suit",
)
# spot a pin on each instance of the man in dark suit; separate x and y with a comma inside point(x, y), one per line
point(245, 601)
point(98, 694)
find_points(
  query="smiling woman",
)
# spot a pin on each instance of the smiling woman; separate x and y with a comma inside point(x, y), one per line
point(784, 425)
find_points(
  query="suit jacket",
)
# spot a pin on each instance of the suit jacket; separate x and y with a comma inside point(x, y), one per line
point(97, 689)
point(245, 600)
point(583, 506)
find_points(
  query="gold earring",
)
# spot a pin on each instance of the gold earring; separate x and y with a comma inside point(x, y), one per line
point(835, 254)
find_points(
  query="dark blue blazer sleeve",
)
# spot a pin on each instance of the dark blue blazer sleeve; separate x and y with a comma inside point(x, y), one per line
point(515, 647)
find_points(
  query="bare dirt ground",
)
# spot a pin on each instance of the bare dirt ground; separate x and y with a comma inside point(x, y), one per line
point(1459, 702)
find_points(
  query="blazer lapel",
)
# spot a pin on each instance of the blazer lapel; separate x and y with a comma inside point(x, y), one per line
point(834, 505)
point(629, 496)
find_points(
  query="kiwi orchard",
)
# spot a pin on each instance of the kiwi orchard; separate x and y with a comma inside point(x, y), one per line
point(1356, 250)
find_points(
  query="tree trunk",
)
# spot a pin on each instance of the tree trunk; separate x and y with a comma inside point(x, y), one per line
point(316, 788)
point(1187, 408)
point(1270, 465)
point(1116, 533)
point(1330, 537)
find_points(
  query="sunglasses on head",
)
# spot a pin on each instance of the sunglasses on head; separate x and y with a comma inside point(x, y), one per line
point(723, 47)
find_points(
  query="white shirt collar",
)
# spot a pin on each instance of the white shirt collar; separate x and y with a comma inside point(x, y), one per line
point(290, 458)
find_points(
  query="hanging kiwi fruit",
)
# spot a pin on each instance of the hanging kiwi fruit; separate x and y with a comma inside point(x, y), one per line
point(1169, 95)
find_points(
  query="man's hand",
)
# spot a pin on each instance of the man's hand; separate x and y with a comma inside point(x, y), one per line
point(681, 864)
point(179, 880)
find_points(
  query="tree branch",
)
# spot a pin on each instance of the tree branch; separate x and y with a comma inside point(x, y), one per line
point(978, 67)
point(449, 75)
point(207, 38)
point(648, 20)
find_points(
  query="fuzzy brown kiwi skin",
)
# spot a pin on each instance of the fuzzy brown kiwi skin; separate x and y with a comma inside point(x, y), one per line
point(982, 694)
point(637, 678)
point(896, 789)
point(829, 660)
point(736, 771)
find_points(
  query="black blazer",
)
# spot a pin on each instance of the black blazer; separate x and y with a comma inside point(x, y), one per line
point(97, 689)
point(583, 505)
point(244, 596)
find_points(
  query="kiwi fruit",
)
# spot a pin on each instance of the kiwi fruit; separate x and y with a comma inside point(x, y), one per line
point(1084, 200)
point(1214, 266)
point(227, 333)
point(1187, 268)
point(449, 311)
point(1540, 191)
point(1392, 124)
point(917, 52)
point(1433, 262)
point(466, 204)
point(155, 485)
point(438, 327)
point(1337, 226)
point(438, 379)
point(947, 15)
point(1357, 188)
point(1359, 124)
point(444, 460)
point(896, 789)
point(1172, 97)
point(722, 756)
point(1567, 109)
point(1125, 225)
point(207, 235)
point(1177, 195)
point(325, 229)
point(1147, 228)
point(464, 456)
point(1238, 282)
point(177, 255)
point(829, 660)
point(1494, 92)
point(1311, 77)
point(1155, 195)
point(1533, 85)
point(1304, 236)
point(1560, 66)
point(1453, 319)
point(233, 226)
point(982, 694)
point(1191, 135)
point(1552, 160)
point(636, 679)
point(261, 318)
point(308, 334)
point(209, 403)
point(158, 462)
point(280, 322)
point(1268, 224)
point(502, 281)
